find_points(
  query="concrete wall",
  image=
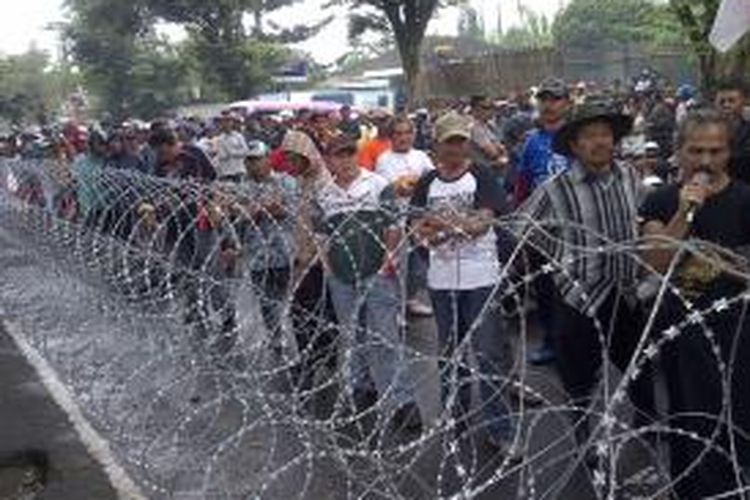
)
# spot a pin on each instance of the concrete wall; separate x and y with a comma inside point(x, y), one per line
point(505, 72)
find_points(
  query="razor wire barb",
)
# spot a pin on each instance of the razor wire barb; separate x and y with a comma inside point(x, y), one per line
point(147, 311)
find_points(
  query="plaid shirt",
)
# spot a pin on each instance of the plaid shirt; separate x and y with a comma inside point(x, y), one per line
point(576, 219)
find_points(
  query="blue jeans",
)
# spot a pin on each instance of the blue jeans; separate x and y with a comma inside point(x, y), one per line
point(459, 313)
point(373, 350)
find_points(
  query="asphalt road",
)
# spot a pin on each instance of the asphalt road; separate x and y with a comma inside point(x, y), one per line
point(185, 428)
point(40, 452)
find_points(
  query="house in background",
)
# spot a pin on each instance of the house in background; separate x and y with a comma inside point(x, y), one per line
point(379, 81)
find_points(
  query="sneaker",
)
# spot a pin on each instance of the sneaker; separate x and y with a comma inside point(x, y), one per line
point(417, 308)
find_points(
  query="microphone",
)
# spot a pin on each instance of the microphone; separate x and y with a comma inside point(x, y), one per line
point(702, 179)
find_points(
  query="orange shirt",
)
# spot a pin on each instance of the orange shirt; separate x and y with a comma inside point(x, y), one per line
point(371, 151)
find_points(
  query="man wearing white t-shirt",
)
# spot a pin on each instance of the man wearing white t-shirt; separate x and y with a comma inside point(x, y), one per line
point(403, 166)
point(457, 206)
point(231, 150)
point(356, 217)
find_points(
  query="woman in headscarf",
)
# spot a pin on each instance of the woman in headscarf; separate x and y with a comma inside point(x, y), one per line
point(313, 318)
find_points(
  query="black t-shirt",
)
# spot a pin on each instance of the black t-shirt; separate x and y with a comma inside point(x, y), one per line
point(723, 220)
point(740, 165)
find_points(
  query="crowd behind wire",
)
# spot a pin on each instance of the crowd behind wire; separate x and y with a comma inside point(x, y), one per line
point(351, 224)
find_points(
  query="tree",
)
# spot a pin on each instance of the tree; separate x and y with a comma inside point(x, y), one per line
point(101, 37)
point(405, 20)
point(115, 45)
point(674, 23)
point(588, 23)
point(32, 89)
point(471, 24)
point(233, 60)
point(535, 32)
point(218, 39)
point(694, 21)
point(160, 76)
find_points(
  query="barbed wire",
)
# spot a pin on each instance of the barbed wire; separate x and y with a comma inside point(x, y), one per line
point(146, 305)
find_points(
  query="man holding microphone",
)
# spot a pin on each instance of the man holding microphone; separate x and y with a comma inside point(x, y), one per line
point(697, 238)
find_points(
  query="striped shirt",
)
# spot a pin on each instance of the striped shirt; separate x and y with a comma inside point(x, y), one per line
point(576, 218)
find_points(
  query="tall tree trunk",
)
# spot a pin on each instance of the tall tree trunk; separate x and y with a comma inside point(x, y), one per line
point(409, 44)
point(409, 22)
point(410, 61)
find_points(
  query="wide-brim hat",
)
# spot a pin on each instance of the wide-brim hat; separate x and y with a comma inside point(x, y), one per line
point(591, 111)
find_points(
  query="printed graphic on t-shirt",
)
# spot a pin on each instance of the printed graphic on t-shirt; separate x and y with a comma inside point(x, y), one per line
point(460, 263)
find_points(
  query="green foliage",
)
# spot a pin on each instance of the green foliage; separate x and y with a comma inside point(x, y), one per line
point(234, 63)
point(102, 37)
point(471, 24)
point(696, 18)
point(218, 40)
point(535, 32)
point(663, 28)
point(217, 72)
point(160, 79)
point(132, 72)
point(589, 23)
point(31, 89)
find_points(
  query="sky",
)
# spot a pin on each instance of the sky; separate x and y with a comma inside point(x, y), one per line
point(25, 23)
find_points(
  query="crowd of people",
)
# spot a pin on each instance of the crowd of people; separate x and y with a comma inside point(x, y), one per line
point(631, 210)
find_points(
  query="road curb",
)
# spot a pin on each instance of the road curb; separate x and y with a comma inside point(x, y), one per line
point(94, 443)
